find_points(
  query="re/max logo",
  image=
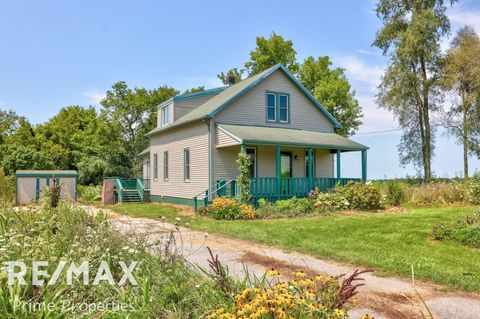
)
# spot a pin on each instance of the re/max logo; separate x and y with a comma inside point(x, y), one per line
point(17, 271)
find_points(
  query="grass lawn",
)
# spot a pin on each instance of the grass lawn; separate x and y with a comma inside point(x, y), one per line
point(150, 210)
point(389, 243)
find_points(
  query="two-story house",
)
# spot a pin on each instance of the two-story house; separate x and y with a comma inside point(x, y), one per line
point(287, 134)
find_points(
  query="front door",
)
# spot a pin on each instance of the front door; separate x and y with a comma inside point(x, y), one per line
point(285, 172)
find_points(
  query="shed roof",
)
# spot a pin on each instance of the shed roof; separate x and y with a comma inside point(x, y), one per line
point(231, 93)
point(45, 173)
point(285, 136)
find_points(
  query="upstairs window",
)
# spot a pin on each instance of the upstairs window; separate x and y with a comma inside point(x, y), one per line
point(271, 107)
point(278, 107)
point(165, 115)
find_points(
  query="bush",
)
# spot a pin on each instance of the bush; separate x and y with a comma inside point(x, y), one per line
point(363, 196)
point(89, 194)
point(228, 208)
point(7, 188)
point(395, 193)
point(465, 231)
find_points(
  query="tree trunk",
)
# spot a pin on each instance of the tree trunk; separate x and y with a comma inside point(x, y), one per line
point(465, 137)
point(427, 145)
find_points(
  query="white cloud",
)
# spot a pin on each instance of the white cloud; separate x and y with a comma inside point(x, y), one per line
point(94, 96)
point(460, 16)
point(374, 118)
point(364, 77)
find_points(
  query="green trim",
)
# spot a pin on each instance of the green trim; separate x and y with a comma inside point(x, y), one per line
point(174, 200)
point(45, 175)
point(37, 189)
point(319, 146)
point(236, 138)
point(209, 145)
point(76, 188)
point(364, 165)
point(278, 155)
point(277, 107)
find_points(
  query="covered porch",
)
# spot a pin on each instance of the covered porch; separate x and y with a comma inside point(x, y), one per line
point(288, 162)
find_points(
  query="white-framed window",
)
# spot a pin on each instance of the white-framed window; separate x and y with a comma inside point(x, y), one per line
point(252, 159)
point(165, 166)
point(186, 165)
point(165, 117)
point(283, 108)
point(271, 107)
point(155, 167)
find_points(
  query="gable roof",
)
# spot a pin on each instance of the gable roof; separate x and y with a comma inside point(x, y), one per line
point(233, 92)
point(188, 96)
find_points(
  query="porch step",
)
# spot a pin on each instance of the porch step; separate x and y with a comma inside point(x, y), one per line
point(131, 196)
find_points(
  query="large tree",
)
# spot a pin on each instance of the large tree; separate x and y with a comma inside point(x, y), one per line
point(270, 52)
point(132, 113)
point(331, 88)
point(234, 73)
point(410, 38)
point(461, 74)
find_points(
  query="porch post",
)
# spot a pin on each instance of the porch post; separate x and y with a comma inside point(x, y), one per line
point(279, 169)
point(364, 165)
point(244, 148)
point(310, 169)
point(338, 165)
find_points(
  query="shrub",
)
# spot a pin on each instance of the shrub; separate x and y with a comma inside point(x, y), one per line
point(89, 194)
point(465, 231)
point(395, 193)
point(228, 208)
point(331, 202)
point(7, 188)
point(363, 196)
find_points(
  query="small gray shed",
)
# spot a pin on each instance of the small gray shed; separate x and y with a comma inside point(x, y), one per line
point(30, 185)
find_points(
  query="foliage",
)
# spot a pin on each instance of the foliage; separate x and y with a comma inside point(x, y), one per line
point(410, 37)
point(131, 113)
point(89, 194)
point(270, 52)
point(395, 193)
point(167, 287)
point(331, 202)
point(331, 88)
point(228, 208)
point(460, 75)
point(300, 298)
point(234, 73)
point(194, 90)
point(465, 231)
point(7, 188)
point(244, 177)
point(363, 196)
point(286, 207)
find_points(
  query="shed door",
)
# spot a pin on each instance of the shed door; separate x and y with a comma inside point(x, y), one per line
point(26, 187)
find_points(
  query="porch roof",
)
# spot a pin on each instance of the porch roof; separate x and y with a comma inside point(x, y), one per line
point(261, 135)
point(145, 152)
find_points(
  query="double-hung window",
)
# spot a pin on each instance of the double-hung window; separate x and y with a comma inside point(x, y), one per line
point(155, 167)
point(165, 166)
point(165, 115)
point(278, 107)
point(271, 107)
point(186, 165)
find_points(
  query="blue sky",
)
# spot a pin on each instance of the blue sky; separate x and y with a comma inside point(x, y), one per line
point(59, 53)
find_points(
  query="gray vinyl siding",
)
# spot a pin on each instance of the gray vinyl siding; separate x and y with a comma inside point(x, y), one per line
point(249, 109)
point(222, 139)
point(193, 136)
point(324, 163)
point(224, 163)
point(182, 107)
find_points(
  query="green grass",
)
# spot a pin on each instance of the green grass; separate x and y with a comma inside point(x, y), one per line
point(151, 210)
point(389, 243)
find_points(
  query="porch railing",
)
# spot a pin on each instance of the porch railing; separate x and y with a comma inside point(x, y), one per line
point(272, 188)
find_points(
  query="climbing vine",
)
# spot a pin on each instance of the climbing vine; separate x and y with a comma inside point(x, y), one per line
point(244, 177)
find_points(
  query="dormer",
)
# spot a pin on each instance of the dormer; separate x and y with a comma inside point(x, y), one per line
point(176, 107)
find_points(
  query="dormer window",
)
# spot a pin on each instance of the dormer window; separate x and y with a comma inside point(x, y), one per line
point(278, 107)
point(165, 115)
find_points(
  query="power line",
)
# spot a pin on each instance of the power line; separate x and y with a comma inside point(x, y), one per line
point(376, 132)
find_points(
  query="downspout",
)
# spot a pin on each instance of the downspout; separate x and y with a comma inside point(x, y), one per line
point(209, 153)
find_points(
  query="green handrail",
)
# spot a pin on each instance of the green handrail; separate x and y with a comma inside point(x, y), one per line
point(214, 190)
point(141, 188)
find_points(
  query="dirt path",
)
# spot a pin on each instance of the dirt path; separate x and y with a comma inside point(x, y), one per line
point(382, 297)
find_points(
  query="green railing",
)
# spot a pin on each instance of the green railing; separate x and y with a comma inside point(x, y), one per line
point(272, 188)
point(141, 188)
point(220, 189)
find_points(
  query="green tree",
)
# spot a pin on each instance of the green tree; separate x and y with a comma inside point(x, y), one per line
point(461, 74)
point(270, 52)
point(235, 73)
point(410, 38)
point(131, 113)
point(331, 88)
point(194, 90)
